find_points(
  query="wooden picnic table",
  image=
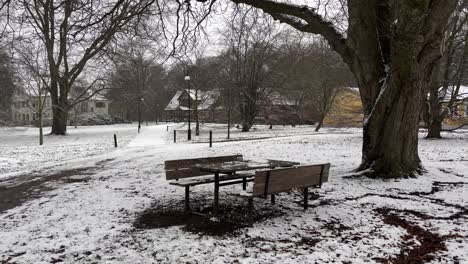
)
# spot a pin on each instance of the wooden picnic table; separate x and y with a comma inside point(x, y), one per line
point(232, 167)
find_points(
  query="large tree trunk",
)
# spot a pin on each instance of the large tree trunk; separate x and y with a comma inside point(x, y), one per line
point(435, 117)
point(390, 142)
point(391, 47)
point(59, 121)
point(390, 136)
point(249, 108)
point(59, 114)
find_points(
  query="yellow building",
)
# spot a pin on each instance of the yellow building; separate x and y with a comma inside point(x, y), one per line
point(458, 113)
point(346, 110)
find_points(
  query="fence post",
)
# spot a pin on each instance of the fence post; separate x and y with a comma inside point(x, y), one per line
point(115, 140)
point(211, 138)
point(174, 135)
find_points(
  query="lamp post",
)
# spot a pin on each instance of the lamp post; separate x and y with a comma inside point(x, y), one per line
point(157, 113)
point(140, 101)
point(189, 131)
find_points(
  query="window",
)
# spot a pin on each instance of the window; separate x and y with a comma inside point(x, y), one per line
point(100, 105)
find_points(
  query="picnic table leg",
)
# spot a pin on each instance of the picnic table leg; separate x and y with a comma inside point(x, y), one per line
point(306, 198)
point(244, 183)
point(187, 199)
point(251, 208)
point(216, 194)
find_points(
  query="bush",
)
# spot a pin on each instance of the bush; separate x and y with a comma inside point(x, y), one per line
point(92, 119)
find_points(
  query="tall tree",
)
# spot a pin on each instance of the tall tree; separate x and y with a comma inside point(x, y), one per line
point(73, 34)
point(391, 46)
point(7, 85)
point(250, 42)
point(449, 72)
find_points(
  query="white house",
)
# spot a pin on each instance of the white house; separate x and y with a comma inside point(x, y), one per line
point(25, 107)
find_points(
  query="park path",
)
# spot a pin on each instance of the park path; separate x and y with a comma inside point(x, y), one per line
point(16, 191)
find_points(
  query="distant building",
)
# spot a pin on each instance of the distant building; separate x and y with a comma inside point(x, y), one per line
point(278, 109)
point(458, 113)
point(273, 108)
point(209, 108)
point(346, 109)
point(25, 107)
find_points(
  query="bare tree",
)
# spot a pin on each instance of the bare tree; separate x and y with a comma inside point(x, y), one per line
point(32, 71)
point(250, 39)
point(391, 47)
point(73, 34)
point(7, 85)
point(449, 72)
point(135, 75)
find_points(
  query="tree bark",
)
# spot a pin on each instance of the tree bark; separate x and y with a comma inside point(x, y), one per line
point(391, 48)
point(41, 132)
point(390, 142)
point(248, 108)
point(390, 136)
point(59, 121)
point(320, 123)
point(435, 116)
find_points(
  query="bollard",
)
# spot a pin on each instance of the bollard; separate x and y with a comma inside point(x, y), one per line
point(174, 136)
point(167, 128)
point(211, 138)
point(115, 140)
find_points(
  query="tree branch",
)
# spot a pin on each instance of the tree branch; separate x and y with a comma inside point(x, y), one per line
point(305, 19)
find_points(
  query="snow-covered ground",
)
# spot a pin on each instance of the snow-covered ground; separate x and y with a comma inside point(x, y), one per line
point(354, 220)
point(20, 151)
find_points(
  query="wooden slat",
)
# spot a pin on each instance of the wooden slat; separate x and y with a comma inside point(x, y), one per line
point(281, 180)
point(224, 180)
point(184, 173)
point(185, 163)
point(326, 171)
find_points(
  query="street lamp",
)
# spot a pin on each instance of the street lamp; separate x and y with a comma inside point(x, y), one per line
point(139, 113)
point(157, 113)
point(189, 132)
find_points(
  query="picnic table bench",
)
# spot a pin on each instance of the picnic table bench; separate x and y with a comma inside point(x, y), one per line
point(271, 182)
point(274, 176)
point(233, 170)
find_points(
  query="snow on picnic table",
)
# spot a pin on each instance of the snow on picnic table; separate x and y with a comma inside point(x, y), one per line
point(93, 220)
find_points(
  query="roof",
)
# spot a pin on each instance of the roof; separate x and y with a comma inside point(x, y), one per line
point(98, 97)
point(174, 103)
point(447, 95)
point(278, 99)
point(207, 99)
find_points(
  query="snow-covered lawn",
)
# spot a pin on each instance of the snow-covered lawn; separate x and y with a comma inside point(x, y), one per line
point(94, 218)
point(20, 151)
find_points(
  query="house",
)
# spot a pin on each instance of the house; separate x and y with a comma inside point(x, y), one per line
point(278, 109)
point(274, 108)
point(24, 108)
point(95, 104)
point(346, 109)
point(206, 102)
point(458, 112)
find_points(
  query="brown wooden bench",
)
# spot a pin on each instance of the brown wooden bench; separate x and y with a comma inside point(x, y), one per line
point(271, 182)
point(183, 169)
